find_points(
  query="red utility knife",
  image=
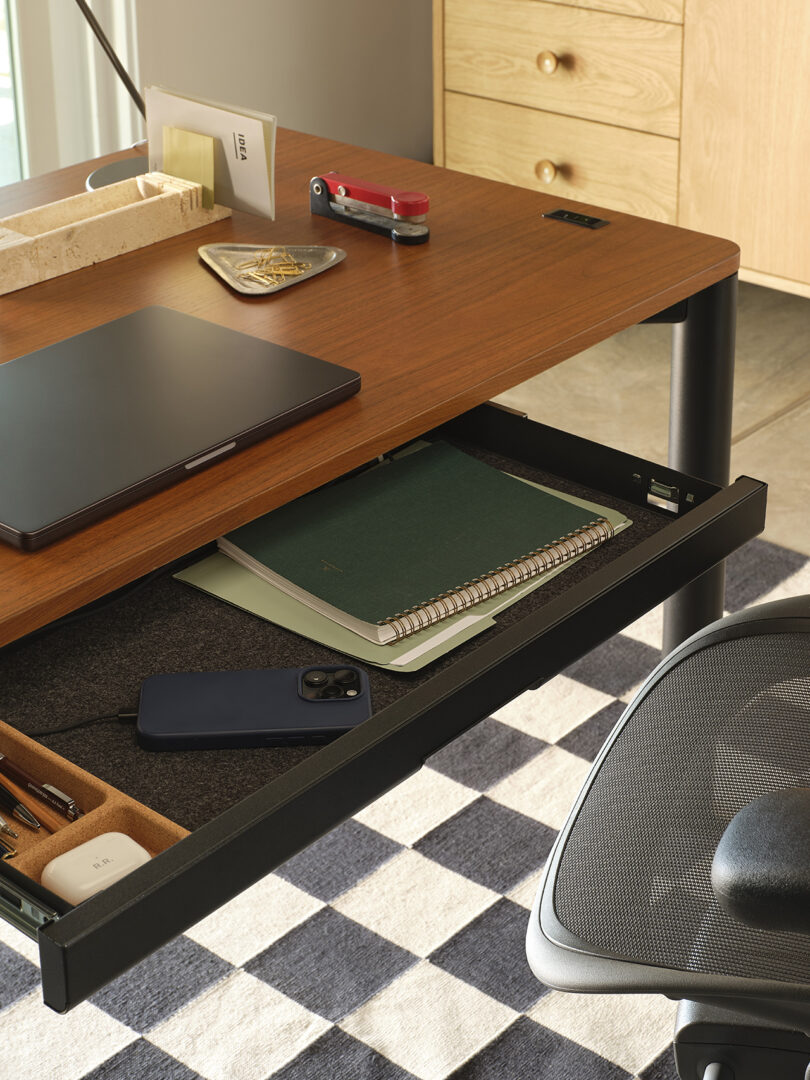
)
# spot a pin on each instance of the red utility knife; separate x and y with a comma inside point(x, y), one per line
point(399, 215)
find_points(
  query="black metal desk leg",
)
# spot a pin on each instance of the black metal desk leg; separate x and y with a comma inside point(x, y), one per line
point(701, 390)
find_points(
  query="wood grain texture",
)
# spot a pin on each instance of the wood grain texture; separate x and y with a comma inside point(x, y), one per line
point(614, 167)
point(614, 69)
point(746, 130)
point(666, 10)
point(438, 82)
point(497, 295)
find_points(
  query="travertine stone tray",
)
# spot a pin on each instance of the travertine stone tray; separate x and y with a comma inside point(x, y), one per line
point(84, 229)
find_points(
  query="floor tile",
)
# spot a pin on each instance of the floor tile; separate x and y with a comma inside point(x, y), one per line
point(528, 1051)
point(757, 568)
point(663, 1068)
point(19, 942)
point(161, 984)
point(338, 860)
point(615, 666)
point(20, 976)
point(67, 1047)
point(416, 806)
point(487, 842)
point(545, 790)
point(415, 902)
point(452, 1021)
point(596, 393)
point(338, 1051)
point(485, 754)
point(587, 740)
point(254, 919)
point(628, 1029)
point(490, 953)
point(779, 455)
point(771, 371)
point(797, 584)
point(242, 1029)
point(330, 964)
point(551, 711)
point(524, 893)
point(648, 629)
point(142, 1061)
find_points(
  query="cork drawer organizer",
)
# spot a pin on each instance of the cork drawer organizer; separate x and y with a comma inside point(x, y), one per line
point(105, 809)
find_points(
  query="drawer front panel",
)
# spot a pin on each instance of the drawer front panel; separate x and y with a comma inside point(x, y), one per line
point(666, 10)
point(583, 63)
point(575, 159)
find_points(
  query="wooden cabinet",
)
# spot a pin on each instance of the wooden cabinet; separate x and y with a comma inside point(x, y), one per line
point(745, 142)
point(582, 102)
point(698, 116)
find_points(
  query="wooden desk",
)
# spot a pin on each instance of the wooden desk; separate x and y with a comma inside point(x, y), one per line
point(498, 295)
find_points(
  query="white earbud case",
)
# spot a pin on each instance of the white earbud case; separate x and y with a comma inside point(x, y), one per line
point(92, 866)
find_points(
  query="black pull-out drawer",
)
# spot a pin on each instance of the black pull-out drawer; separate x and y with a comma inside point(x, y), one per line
point(250, 810)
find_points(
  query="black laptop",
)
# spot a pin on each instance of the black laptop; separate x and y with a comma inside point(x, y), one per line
point(97, 421)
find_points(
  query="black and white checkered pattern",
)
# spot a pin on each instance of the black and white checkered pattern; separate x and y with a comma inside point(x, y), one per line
point(394, 947)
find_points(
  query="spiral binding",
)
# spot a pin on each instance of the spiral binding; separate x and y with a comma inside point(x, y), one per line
point(499, 580)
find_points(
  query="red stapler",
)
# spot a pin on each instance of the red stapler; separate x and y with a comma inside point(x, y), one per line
point(399, 215)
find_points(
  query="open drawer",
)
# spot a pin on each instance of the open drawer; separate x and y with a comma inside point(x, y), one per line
point(249, 810)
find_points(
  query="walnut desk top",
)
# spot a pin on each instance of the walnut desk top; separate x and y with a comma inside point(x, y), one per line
point(497, 295)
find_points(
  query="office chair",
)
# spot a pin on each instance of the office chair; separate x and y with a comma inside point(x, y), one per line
point(684, 865)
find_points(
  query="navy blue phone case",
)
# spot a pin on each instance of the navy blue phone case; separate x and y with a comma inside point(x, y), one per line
point(205, 710)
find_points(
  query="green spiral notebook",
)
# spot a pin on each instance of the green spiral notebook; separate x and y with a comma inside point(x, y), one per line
point(417, 540)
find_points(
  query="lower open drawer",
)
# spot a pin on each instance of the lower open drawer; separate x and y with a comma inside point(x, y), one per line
point(216, 821)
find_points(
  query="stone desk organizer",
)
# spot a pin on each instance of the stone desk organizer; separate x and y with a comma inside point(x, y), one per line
point(84, 229)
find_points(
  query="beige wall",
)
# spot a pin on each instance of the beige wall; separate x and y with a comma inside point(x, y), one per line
point(358, 70)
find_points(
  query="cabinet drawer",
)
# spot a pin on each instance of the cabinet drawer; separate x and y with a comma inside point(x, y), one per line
point(603, 67)
point(250, 810)
point(666, 10)
point(625, 170)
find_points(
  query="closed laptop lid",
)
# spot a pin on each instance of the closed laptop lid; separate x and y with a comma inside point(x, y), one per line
point(92, 423)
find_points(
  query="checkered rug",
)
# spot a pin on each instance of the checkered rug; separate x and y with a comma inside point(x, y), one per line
point(393, 948)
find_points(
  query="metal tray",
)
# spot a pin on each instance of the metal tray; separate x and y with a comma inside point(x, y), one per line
point(232, 262)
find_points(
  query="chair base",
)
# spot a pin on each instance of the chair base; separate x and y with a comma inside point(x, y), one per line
point(749, 1049)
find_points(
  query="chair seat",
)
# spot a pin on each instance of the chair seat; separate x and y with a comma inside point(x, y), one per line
point(627, 901)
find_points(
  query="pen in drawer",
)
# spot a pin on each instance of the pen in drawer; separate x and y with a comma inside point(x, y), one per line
point(47, 793)
point(10, 801)
point(46, 817)
point(7, 850)
point(6, 828)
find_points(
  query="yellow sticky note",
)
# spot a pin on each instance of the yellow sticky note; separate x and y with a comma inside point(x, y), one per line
point(191, 157)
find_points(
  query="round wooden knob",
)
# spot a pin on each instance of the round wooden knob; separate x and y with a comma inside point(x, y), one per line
point(547, 62)
point(546, 171)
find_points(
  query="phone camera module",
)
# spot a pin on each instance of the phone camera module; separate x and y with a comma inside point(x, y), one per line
point(316, 678)
point(330, 684)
